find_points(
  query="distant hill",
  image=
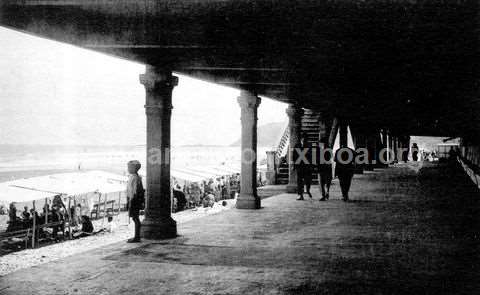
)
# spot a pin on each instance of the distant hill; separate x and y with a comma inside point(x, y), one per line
point(267, 134)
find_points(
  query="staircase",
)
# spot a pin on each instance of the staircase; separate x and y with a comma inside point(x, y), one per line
point(311, 127)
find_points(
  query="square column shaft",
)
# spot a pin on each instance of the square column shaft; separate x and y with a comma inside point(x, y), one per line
point(295, 114)
point(343, 134)
point(248, 198)
point(158, 223)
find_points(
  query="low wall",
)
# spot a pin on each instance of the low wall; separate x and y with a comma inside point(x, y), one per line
point(469, 158)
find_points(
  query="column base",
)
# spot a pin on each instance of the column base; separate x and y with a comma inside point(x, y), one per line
point(157, 229)
point(292, 189)
point(248, 202)
point(271, 177)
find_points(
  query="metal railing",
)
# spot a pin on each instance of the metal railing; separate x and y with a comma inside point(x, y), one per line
point(282, 146)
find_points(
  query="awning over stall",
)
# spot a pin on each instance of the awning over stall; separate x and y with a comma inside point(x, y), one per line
point(69, 184)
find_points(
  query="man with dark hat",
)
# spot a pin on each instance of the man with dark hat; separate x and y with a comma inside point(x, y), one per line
point(302, 157)
point(135, 197)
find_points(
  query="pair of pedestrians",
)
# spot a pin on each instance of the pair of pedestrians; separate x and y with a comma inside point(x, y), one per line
point(302, 157)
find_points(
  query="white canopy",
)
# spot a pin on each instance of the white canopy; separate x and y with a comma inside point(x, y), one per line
point(78, 183)
point(185, 175)
point(82, 183)
point(9, 194)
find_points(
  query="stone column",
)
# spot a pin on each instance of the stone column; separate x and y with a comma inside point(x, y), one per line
point(359, 141)
point(295, 114)
point(343, 134)
point(387, 146)
point(381, 144)
point(158, 223)
point(248, 198)
point(395, 149)
point(371, 142)
point(391, 149)
point(384, 138)
point(376, 144)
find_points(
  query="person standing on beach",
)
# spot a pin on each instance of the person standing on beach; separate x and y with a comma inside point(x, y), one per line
point(26, 213)
point(135, 197)
point(12, 217)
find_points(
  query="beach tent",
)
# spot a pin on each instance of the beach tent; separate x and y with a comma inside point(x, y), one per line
point(85, 188)
point(204, 175)
point(227, 170)
point(183, 177)
point(208, 171)
point(9, 194)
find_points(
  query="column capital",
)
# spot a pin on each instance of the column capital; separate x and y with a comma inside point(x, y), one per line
point(248, 100)
point(294, 111)
point(153, 78)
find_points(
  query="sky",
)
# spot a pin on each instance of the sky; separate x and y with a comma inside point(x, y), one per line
point(54, 93)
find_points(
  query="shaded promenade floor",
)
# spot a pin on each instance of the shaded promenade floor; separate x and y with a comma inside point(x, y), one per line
point(407, 231)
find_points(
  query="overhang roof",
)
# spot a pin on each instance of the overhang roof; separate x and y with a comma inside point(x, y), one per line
point(410, 66)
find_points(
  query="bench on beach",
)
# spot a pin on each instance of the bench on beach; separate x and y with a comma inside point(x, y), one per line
point(103, 209)
point(24, 235)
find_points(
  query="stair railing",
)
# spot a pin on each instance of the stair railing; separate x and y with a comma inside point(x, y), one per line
point(283, 142)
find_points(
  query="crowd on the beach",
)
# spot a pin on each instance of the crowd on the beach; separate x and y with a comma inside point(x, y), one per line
point(55, 221)
point(205, 193)
point(52, 221)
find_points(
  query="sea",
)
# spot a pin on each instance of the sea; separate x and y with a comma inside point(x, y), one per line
point(23, 161)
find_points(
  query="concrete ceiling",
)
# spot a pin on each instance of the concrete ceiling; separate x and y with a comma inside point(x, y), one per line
point(410, 66)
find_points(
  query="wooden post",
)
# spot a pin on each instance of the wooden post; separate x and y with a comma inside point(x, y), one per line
point(75, 209)
point(69, 218)
point(34, 225)
point(119, 202)
point(98, 205)
point(46, 210)
point(104, 209)
point(119, 206)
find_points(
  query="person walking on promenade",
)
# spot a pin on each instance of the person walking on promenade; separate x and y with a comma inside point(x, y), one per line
point(302, 157)
point(344, 169)
point(324, 169)
point(415, 152)
point(135, 197)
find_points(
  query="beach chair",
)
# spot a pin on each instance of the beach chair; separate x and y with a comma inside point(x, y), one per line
point(53, 226)
point(12, 238)
point(94, 212)
point(110, 207)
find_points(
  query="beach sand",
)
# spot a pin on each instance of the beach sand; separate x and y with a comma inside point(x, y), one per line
point(124, 230)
